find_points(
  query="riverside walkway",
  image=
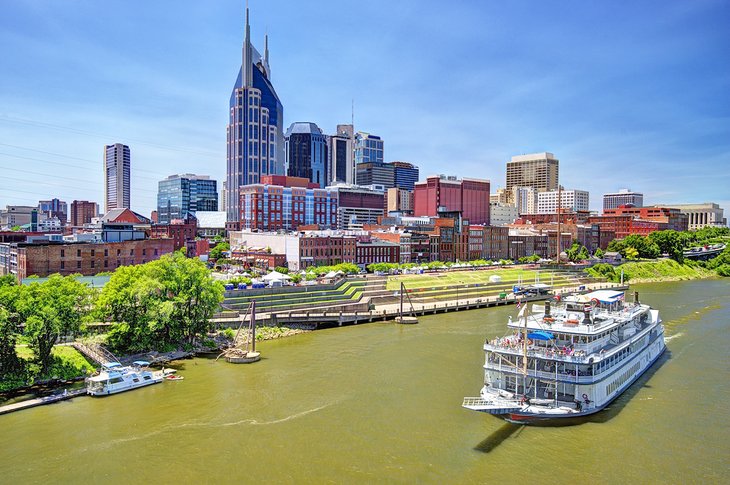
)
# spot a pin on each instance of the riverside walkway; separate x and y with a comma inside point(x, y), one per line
point(39, 401)
point(326, 318)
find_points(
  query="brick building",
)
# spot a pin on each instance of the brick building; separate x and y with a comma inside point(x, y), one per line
point(43, 259)
point(180, 231)
point(376, 251)
point(436, 194)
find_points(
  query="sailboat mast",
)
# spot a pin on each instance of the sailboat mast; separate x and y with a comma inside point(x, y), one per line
point(253, 326)
point(402, 289)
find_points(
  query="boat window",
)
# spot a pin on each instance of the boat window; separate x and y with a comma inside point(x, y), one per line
point(116, 380)
point(135, 379)
point(147, 378)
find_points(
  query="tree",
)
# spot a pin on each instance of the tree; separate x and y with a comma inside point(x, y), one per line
point(192, 296)
point(159, 304)
point(631, 253)
point(52, 309)
point(9, 333)
point(217, 251)
point(669, 242)
point(599, 253)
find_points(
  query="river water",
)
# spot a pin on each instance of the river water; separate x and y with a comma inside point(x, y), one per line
point(382, 403)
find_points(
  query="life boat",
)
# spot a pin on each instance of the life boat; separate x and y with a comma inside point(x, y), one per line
point(174, 377)
point(571, 321)
point(548, 319)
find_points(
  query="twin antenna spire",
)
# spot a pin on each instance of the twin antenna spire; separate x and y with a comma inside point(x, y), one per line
point(247, 56)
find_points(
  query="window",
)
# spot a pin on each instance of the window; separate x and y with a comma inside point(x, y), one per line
point(92, 252)
point(92, 263)
point(119, 252)
point(106, 263)
point(144, 252)
point(131, 252)
point(106, 252)
point(63, 254)
point(63, 264)
point(155, 251)
point(78, 264)
point(78, 253)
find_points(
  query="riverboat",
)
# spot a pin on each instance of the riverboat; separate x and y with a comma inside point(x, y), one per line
point(569, 357)
point(114, 378)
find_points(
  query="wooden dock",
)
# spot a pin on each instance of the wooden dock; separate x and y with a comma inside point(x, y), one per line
point(40, 401)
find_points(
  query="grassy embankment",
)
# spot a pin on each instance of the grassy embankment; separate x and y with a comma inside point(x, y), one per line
point(68, 363)
point(651, 271)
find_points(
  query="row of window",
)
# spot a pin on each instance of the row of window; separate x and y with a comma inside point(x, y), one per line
point(106, 252)
point(617, 383)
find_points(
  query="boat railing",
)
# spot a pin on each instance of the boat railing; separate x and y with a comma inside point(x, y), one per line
point(581, 378)
point(564, 354)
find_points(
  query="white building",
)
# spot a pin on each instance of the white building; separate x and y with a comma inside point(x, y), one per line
point(570, 200)
point(623, 197)
point(501, 214)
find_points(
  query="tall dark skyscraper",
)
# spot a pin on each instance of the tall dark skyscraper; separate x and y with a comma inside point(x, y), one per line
point(341, 157)
point(117, 174)
point(255, 131)
point(306, 153)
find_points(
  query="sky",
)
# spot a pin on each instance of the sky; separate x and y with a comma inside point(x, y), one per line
point(625, 94)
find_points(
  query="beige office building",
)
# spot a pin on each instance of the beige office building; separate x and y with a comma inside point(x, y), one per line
point(702, 215)
point(538, 170)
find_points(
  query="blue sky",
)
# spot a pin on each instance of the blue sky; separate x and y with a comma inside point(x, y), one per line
point(625, 94)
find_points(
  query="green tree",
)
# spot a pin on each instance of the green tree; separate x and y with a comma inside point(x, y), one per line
point(52, 309)
point(217, 251)
point(9, 333)
point(192, 296)
point(669, 242)
point(631, 253)
point(599, 253)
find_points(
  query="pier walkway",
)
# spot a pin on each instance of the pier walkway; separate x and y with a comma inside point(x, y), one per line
point(39, 401)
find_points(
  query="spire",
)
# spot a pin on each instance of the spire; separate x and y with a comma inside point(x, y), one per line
point(246, 60)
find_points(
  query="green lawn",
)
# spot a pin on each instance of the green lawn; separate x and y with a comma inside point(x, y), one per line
point(452, 278)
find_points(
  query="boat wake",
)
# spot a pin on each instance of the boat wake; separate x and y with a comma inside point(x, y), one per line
point(275, 421)
point(207, 424)
point(672, 337)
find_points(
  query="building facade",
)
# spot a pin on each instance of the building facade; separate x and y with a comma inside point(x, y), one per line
point(341, 157)
point(623, 197)
point(305, 147)
point(276, 207)
point(368, 148)
point(54, 208)
point(437, 194)
point(399, 200)
point(708, 214)
point(375, 173)
point(88, 259)
point(117, 177)
point(538, 170)
point(501, 214)
point(255, 133)
point(405, 175)
point(181, 195)
point(357, 206)
point(82, 212)
point(570, 200)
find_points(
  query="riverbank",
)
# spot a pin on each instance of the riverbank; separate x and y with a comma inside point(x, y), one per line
point(662, 270)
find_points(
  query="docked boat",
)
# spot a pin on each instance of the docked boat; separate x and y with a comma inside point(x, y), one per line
point(114, 377)
point(568, 358)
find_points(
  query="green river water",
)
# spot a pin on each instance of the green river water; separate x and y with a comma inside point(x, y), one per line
point(381, 403)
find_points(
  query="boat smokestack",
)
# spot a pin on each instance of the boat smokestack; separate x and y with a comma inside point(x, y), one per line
point(547, 308)
point(636, 297)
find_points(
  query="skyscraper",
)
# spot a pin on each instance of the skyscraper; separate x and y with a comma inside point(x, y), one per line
point(306, 153)
point(405, 175)
point(180, 195)
point(539, 171)
point(255, 139)
point(116, 177)
point(368, 148)
point(340, 152)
